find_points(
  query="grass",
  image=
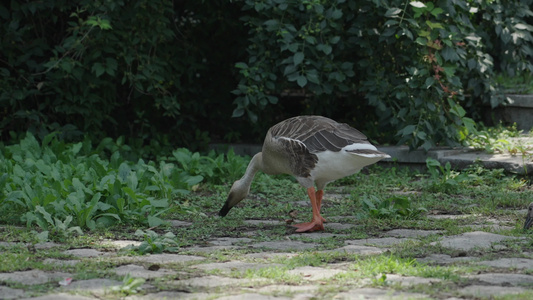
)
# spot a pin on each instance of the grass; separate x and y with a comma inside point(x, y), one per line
point(377, 200)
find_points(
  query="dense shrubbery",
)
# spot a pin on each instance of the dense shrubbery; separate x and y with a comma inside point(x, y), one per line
point(407, 71)
point(420, 65)
point(136, 68)
point(56, 185)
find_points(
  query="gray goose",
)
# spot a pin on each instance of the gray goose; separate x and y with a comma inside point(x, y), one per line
point(313, 149)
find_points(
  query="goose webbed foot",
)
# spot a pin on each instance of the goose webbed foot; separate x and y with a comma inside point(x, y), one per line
point(314, 225)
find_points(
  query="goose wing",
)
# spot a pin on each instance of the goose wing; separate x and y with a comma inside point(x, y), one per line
point(318, 133)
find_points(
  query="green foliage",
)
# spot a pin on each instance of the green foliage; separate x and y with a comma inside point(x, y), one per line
point(443, 178)
point(130, 285)
point(155, 243)
point(55, 185)
point(422, 66)
point(136, 68)
point(214, 168)
point(390, 208)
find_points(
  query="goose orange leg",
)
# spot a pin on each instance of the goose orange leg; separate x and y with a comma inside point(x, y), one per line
point(319, 194)
point(317, 220)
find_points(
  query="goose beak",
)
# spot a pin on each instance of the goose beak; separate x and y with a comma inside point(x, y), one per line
point(225, 209)
point(230, 202)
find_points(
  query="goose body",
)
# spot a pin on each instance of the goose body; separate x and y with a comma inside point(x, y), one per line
point(315, 150)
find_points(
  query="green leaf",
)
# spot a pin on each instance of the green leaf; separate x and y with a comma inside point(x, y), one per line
point(98, 69)
point(336, 14)
point(298, 58)
point(241, 65)
point(392, 12)
point(301, 81)
point(334, 39)
point(417, 4)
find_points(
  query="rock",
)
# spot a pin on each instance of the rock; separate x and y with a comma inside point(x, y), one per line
point(411, 233)
point(85, 252)
point(9, 293)
point(227, 241)
point(443, 259)
point(286, 245)
point(141, 272)
point(356, 249)
point(314, 273)
point(61, 262)
point(503, 278)
point(98, 286)
point(33, 277)
point(178, 223)
point(387, 241)
point(212, 281)
point(409, 280)
point(61, 296)
point(381, 294)
point(229, 266)
point(489, 291)
point(515, 263)
point(470, 240)
point(253, 296)
point(166, 258)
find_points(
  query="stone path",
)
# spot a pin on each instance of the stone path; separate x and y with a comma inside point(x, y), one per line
point(260, 269)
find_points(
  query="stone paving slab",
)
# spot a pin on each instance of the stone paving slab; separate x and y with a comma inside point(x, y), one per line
point(9, 293)
point(254, 296)
point(503, 278)
point(61, 262)
point(166, 258)
point(411, 233)
point(278, 288)
point(228, 241)
point(380, 242)
point(210, 249)
point(119, 244)
point(375, 293)
point(470, 240)
point(212, 281)
point(339, 226)
point(314, 273)
point(286, 245)
point(357, 249)
point(263, 222)
point(86, 252)
point(62, 296)
point(451, 217)
point(514, 262)
point(171, 295)
point(444, 259)
point(97, 285)
point(409, 280)
point(489, 291)
point(141, 272)
point(33, 277)
point(271, 255)
point(314, 235)
point(178, 223)
point(230, 266)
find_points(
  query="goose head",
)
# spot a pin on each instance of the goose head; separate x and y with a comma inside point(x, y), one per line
point(239, 190)
point(529, 217)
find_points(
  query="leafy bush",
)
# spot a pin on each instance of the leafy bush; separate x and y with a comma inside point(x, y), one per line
point(136, 68)
point(422, 66)
point(443, 178)
point(49, 183)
